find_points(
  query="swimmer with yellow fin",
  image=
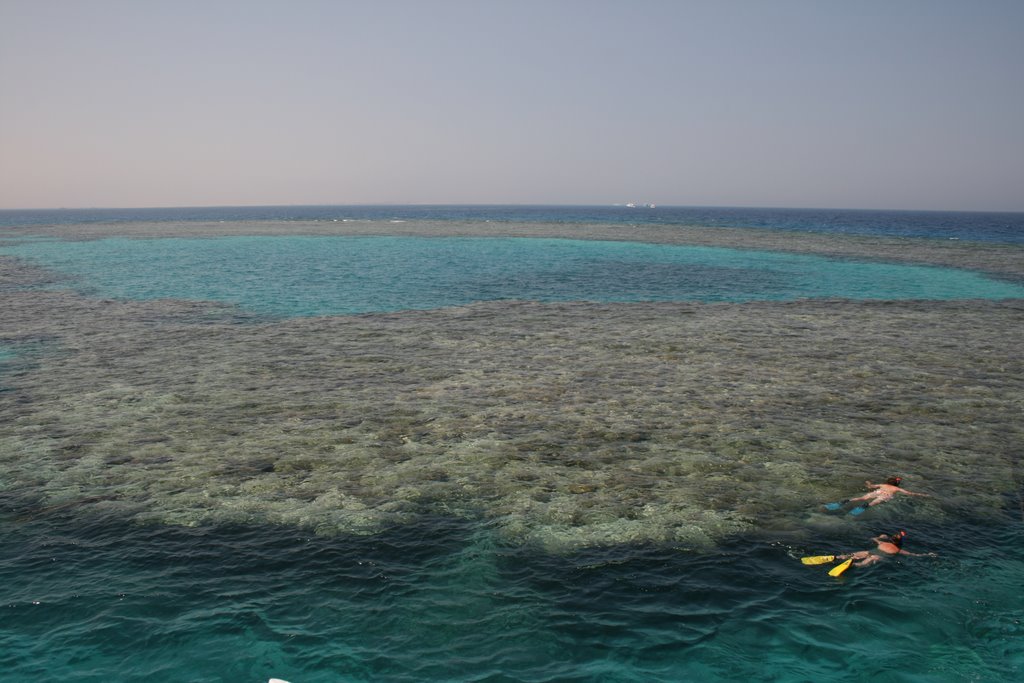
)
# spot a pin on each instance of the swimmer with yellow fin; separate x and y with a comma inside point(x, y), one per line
point(886, 545)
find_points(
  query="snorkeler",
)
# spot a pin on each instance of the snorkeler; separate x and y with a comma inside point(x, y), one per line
point(879, 494)
point(885, 545)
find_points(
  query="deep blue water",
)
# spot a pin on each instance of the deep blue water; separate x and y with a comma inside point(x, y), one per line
point(977, 226)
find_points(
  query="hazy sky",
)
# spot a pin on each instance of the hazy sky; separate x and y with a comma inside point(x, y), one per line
point(801, 103)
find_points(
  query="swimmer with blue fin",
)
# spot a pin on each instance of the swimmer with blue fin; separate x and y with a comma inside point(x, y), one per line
point(879, 494)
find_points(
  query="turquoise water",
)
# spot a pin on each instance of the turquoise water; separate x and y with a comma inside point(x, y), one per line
point(135, 409)
point(330, 275)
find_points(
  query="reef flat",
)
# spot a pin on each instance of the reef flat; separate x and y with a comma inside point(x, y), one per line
point(563, 425)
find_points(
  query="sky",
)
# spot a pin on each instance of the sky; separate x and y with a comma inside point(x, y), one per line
point(888, 104)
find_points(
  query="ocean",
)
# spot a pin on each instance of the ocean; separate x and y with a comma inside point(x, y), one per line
point(503, 443)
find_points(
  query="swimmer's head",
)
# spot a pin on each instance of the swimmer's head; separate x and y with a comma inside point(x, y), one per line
point(897, 538)
point(894, 481)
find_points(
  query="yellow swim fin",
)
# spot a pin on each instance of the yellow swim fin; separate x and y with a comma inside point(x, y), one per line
point(840, 568)
point(820, 559)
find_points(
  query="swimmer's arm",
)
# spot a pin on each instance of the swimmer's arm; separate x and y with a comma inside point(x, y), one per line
point(872, 486)
point(912, 493)
point(907, 552)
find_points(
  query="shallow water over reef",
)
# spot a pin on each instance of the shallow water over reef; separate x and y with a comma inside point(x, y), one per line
point(567, 425)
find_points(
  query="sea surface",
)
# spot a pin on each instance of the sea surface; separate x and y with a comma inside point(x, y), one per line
point(494, 443)
point(976, 226)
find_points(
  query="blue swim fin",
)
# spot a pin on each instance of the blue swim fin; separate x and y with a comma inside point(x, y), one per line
point(833, 506)
point(857, 510)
